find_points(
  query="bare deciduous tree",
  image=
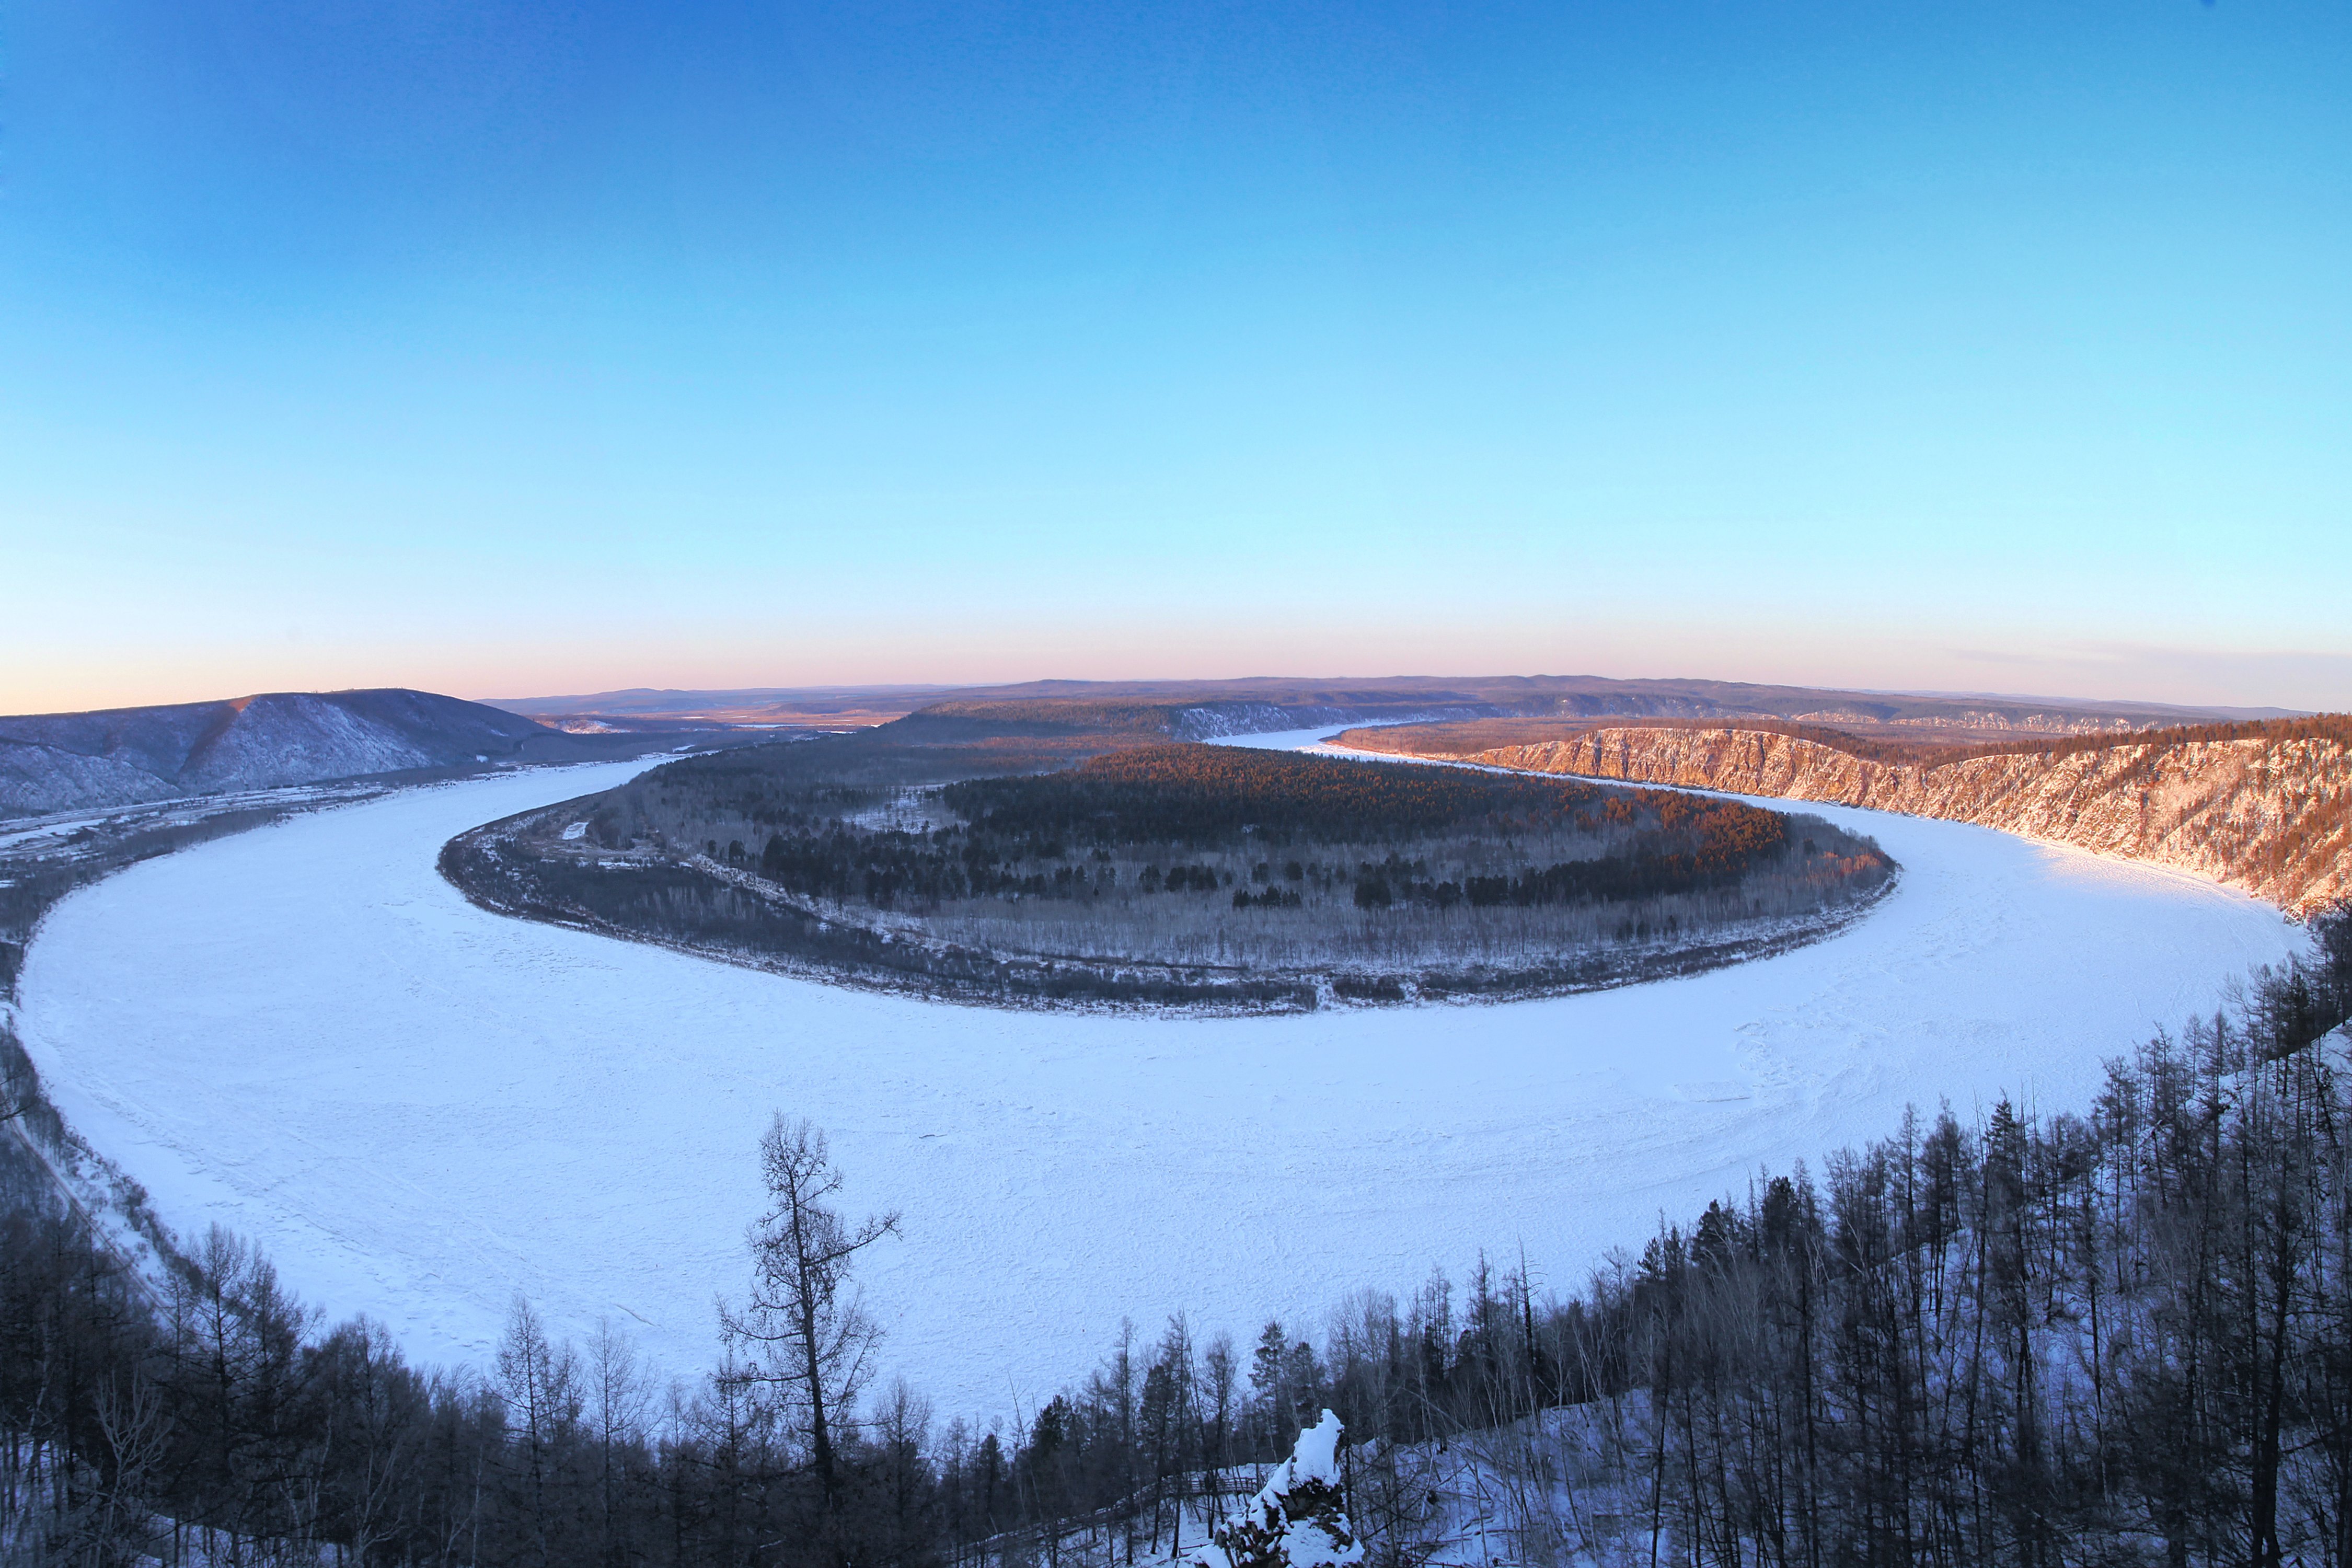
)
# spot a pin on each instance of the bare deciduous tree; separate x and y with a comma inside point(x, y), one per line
point(802, 1332)
point(620, 1401)
point(540, 1381)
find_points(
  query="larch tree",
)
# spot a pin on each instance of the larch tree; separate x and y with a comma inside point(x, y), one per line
point(803, 1332)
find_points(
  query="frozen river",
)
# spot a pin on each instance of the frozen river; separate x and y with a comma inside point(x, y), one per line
point(418, 1108)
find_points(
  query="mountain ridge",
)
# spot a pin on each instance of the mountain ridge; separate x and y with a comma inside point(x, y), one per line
point(1291, 702)
point(127, 756)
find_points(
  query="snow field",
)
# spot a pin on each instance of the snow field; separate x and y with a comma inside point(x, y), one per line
point(418, 1108)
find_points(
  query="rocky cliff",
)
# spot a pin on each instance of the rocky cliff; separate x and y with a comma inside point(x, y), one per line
point(2271, 815)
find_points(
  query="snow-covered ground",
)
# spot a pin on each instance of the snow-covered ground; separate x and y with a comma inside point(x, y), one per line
point(419, 1108)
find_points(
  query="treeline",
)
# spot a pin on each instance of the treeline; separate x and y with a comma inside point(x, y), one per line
point(1215, 796)
point(2334, 727)
point(679, 904)
point(1615, 879)
point(207, 1417)
point(889, 868)
point(2123, 1335)
point(831, 860)
point(2120, 1336)
point(793, 784)
point(1197, 797)
point(1729, 848)
point(2117, 1336)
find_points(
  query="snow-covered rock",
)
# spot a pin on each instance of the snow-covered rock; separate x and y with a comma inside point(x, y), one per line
point(1298, 1519)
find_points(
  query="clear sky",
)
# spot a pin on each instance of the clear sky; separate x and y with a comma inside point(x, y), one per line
point(505, 349)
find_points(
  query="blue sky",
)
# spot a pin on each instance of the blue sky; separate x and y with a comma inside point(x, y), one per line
point(504, 350)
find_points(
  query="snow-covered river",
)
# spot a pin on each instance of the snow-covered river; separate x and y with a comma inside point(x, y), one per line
point(418, 1108)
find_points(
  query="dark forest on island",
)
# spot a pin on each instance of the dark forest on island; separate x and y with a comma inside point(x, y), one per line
point(1172, 874)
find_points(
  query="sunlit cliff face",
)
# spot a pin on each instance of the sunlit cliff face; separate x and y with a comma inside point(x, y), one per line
point(2271, 815)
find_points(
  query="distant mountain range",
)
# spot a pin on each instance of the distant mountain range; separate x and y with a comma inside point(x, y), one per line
point(1203, 709)
point(818, 707)
point(127, 756)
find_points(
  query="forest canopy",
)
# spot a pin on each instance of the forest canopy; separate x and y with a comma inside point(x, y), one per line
point(1208, 795)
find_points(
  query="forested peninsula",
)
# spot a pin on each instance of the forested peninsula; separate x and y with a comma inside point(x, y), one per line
point(1095, 868)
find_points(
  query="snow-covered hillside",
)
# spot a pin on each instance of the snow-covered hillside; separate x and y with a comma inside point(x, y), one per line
point(419, 1108)
point(69, 761)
